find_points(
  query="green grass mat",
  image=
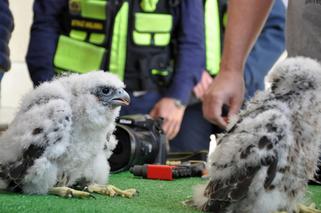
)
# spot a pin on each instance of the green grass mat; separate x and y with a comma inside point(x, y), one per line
point(154, 196)
point(314, 194)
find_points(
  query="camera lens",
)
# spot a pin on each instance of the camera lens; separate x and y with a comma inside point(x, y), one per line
point(121, 154)
point(138, 144)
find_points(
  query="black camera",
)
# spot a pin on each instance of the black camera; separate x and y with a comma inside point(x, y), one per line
point(141, 140)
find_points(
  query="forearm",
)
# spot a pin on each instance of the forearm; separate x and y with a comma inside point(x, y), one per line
point(245, 21)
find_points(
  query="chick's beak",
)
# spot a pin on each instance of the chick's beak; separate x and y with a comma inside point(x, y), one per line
point(120, 98)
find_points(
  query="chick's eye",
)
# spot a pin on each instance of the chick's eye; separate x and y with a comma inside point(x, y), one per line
point(106, 90)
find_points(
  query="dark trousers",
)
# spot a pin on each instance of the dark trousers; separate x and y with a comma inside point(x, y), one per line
point(195, 131)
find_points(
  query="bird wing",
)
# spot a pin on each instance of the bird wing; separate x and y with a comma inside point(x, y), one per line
point(257, 144)
point(41, 129)
point(110, 145)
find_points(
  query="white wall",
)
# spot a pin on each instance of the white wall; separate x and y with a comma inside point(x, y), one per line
point(16, 82)
point(22, 12)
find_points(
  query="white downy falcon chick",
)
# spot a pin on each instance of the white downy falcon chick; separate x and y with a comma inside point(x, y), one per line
point(62, 134)
point(264, 160)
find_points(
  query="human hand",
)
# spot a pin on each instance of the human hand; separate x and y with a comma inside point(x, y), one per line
point(227, 88)
point(172, 115)
point(202, 86)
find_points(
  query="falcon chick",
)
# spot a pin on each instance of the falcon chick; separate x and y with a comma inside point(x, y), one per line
point(263, 162)
point(58, 137)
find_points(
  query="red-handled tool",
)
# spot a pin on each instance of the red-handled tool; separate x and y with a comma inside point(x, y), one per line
point(165, 172)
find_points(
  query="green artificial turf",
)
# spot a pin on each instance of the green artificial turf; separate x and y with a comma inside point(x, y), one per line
point(154, 196)
point(314, 195)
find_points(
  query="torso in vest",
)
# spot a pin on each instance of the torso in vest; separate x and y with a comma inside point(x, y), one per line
point(132, 39)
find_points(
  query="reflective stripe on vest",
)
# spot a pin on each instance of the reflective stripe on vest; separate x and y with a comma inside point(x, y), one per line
point(148, 5)
point(212, 36)
point(118, 50)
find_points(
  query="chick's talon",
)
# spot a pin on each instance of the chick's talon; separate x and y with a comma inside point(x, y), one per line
point(69, 192)
point(111, 190)
point(308, 209)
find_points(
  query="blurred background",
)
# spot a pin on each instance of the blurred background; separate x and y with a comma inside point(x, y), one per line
point(17, 82)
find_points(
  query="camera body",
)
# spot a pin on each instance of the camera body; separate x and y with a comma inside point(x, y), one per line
point(141, 140)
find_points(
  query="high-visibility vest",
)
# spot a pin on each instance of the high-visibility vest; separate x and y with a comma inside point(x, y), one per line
point(114, 35)
point(212, 22)
point(131, 35)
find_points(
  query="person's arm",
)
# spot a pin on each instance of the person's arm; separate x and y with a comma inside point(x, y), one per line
point(245, 20)
point(6, 28)
point(189, 64)
point(45, 31)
